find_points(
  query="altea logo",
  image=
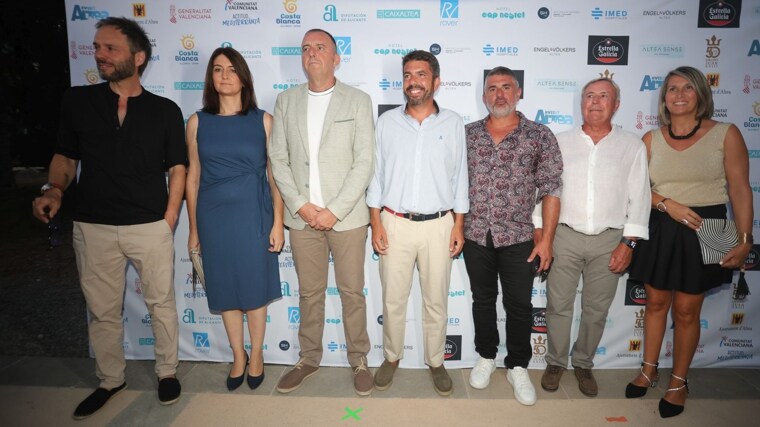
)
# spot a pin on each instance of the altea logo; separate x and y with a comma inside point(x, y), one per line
point(83, 13)
point(713, 79)
point(651, 83)
point(634, 345)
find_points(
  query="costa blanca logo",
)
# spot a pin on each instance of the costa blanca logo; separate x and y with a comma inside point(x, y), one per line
point(452, 349)
point(720, 13)
point(188, 54)
point(398, 14)
point(651, 83)
point(188, 14)
point(753, 123)
point(662, 50)
point(84, 13)
point(289, 19)
point(332, 14)
point(608, 50)
point(599, 14)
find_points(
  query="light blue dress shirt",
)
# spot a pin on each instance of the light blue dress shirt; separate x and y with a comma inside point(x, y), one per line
point(420, 167)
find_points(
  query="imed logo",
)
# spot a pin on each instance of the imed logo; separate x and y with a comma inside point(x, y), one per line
point(634, 345)
point(737, 318)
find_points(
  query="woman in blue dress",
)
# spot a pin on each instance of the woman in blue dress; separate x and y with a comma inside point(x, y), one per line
point(235, 211)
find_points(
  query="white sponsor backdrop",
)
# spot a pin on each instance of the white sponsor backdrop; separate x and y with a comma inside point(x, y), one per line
point(549, 41)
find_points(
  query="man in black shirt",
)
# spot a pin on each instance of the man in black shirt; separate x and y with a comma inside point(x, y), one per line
point(123, 139)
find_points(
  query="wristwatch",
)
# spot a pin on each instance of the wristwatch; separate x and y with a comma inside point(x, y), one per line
point(628, 242)
point(50, 186)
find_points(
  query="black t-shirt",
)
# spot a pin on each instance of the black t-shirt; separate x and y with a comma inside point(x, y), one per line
point(122, 178)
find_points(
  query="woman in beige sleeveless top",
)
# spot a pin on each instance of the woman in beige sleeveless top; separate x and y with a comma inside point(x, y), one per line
point(696, 165)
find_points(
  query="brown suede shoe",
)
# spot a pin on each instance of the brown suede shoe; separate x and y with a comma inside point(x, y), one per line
point(384, 375)
point(293, 379)
point(586, 382)
point(551, 377)
point(441, 381)
point(363, 381)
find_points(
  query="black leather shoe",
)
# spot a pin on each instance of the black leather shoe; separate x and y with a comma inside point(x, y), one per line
point(234, 382)
point(169, 390)
point(95, 401)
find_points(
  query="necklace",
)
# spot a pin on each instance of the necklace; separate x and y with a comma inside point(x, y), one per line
point(688, 135)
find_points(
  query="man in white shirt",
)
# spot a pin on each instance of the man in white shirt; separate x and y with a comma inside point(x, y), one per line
point(605, 209)
point(322, 154)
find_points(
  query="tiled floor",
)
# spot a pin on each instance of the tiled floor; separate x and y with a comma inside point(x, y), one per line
point(20, 376)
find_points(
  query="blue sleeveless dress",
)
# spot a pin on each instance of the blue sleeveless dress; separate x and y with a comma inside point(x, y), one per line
point(234, 212)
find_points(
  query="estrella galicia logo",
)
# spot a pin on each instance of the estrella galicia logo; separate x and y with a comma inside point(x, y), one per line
point(539, 320)
point(719, 13)
point(449, 9)
point(608, 50)
point(452, 349)
point(543, 12)
point(294, 315)
point(188, 316)
point(284, 345)
point(520, 74)
point(200, 340)
point(344, 45)
point(753, 258)
point(381, 108)
point(83, 13)
point(635, 293)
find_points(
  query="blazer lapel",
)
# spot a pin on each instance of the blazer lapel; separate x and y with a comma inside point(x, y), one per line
point(332, 109)
point(303, 129)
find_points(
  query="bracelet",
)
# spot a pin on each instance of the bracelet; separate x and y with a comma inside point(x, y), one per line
point(746, 238)
point(661, 205)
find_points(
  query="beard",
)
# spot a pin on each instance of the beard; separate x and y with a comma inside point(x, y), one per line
point(121, 70)
point(501, 111)
point(426, 95)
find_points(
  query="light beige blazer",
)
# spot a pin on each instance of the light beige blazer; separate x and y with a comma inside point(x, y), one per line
point(346, 154)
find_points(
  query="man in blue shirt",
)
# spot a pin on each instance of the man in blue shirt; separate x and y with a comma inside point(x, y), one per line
point(417, 199)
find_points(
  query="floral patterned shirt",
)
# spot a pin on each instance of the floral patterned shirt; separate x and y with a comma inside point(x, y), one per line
point(508, 179)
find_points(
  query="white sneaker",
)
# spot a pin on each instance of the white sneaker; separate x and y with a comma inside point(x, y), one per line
point(480, 375)
point(523, 388)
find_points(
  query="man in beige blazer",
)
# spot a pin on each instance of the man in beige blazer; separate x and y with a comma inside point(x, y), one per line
point(322, 156)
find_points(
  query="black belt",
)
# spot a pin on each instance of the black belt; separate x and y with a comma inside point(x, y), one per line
point(416, 216)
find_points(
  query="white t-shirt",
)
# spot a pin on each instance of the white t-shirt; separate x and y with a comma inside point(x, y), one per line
point(315, 121)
